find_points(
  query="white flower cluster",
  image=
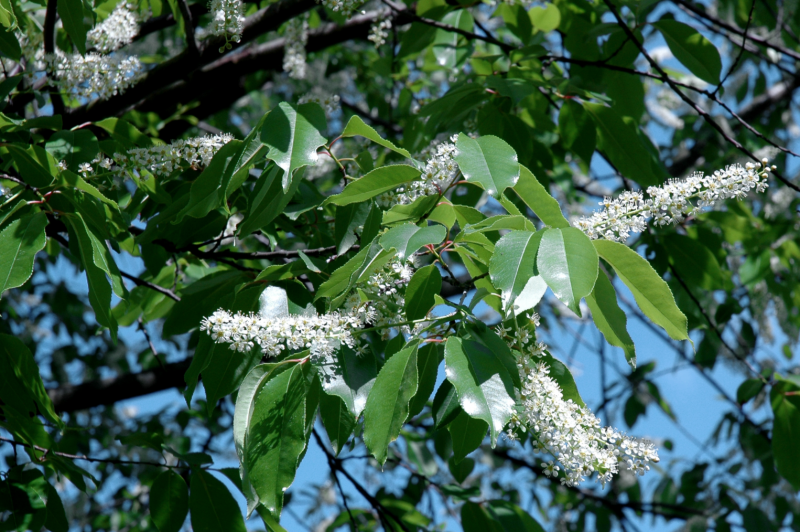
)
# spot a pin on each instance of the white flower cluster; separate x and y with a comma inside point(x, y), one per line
point(320, 334)
point(346, 7)
point(572, 433)
point(228, 20)
point(117, 30)
point(330, 104)
point(379, 32)
point(673, 201)
point(94, 74)
point(294, 51)
point(164, 159)
point(438, 174)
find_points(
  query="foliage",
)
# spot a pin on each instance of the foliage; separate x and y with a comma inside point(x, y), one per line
point(365, 221)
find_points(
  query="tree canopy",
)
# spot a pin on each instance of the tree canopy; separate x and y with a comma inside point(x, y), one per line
point(383, 231)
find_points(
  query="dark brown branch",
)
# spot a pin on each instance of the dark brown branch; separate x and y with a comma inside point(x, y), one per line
point(141, 282)
point(73, 397)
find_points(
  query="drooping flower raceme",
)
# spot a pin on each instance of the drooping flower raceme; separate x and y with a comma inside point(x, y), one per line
point(329, 103)
point(228, 19)
point(673, 201)
point(379, 32)
point(94, 74)
point(164, 159)
point(294, 51)
point(117, 30)
point(440, 170)
point(572, 433)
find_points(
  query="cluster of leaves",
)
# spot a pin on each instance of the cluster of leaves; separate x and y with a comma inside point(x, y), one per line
point(292, 204)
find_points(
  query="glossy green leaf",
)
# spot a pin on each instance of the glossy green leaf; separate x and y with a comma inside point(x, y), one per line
point(445, 404)
point(22, 385)
point(651, 292)
point(387, 404)
point(462, 469)
point(212, 506)
point(562, 375)
point(488, 161)
point(467, 434)
point(209, 188)
point(355, 380)
point(421, 292)
point(357, 127)
point(73, 147)
point(56, 520)
point(169, 501)
point(694, 51)
point(474, 518)
point(577, 130)
point(349, 218)
point(540, 201)
point(293, 135)
point(278, 435)
point(406, 239)
point(19, 242)
point(446, 49)
point(748, 389)
point(375, 183)
point(482, 380)
point(71, 13)
point(694, 262)
point(268, 200)
point(9, 46)
point(511, 517)
point(513, 264)
point(36, 166)
point(546, 18)
point(621, 144)
point(568, 263)
point(338, 421)
point(429, 357)
point(609, 318)
point(785, 400)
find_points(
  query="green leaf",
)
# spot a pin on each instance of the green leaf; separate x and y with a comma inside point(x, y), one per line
point(354, 381)
point(462, 469)
point(651, 292)
point(36, 166)
point(277, 435)
point(73, 147)
point(694, 262)
point(445, 49)
point(748, 389)
point(609, 318)
point(786, 430)
point(622, 145)
point(22, 385)
point(268, 200)
point(429, 357)
point(406, 239)
point(540, 201)
point(425, 285)
point(374, 183)
point(482, 380)
point(212, 506)
point(338, 421)
point(71, 13)
point(488, 161)
point(343, 278)
point(546, 18)
point(467, 434)
point(694, 51)
point(357, 127)
point(577, 130)
point(475, 519)
point(99, 289)
point(387, 404)
point(169, 501)
point(512, 264)
point(561, 374)
point(445, 404)
point(511, 517)
point(9, 47)
point(293, 134)
point(56, 516)
point(200, 299)
point(348, 219)
point(209, 188)
point(19, 242)
point(568, 262)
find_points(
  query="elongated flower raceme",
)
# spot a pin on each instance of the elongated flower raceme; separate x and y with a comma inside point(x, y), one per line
point(164, 159)
point(294, 51)
point(320, 334)
point(117, 30)
point(572, 433)
point(94, 74)
point(440, 170)
point(228, 20)
point(673, 201)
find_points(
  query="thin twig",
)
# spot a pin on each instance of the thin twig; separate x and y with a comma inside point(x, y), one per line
point(141, 282)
